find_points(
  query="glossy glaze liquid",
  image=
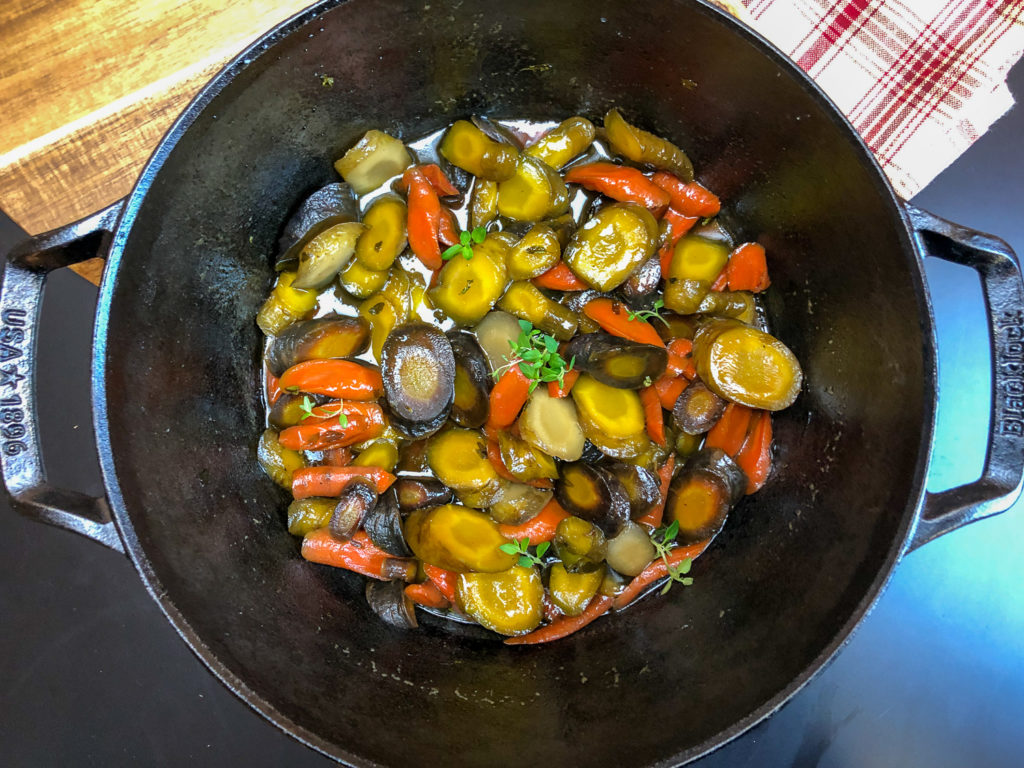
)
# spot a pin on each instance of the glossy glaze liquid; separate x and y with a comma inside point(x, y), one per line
point(334, 300)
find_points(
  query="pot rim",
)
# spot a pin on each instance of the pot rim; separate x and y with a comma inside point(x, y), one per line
point(233, 681)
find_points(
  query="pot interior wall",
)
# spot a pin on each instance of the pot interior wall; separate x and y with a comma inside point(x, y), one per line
point(663, 679)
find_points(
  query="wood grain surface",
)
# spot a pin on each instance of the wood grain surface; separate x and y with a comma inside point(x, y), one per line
point(88, 88)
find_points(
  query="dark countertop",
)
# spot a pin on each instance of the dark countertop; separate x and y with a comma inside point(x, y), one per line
point(92, 674)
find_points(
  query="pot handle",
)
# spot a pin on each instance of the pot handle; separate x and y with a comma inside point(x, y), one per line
point(24, 277)
point(1000, 482)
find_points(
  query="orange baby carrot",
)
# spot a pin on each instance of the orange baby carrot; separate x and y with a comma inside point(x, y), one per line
point(566, 625)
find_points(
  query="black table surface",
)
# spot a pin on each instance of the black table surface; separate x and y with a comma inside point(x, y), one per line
point(92, 674)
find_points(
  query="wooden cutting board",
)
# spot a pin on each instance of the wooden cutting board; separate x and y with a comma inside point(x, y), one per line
point(89, 87)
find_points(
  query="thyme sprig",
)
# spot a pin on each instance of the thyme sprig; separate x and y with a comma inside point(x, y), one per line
point(663, 538)
point(465, 244)
point(536, 354)
point(522, 548)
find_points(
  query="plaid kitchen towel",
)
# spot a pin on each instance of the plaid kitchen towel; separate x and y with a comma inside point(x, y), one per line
point(919, 79)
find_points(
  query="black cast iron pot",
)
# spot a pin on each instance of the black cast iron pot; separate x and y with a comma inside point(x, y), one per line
point(176, 385)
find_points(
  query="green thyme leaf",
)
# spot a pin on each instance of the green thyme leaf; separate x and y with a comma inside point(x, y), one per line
point(663, 540)
point(522, 549)
point(529, 371)
point(648, 314)
point(536, 353)
point(306, 407)
point(465, 244)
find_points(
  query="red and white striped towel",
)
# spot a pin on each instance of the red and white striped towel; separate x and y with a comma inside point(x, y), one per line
point(920, 80)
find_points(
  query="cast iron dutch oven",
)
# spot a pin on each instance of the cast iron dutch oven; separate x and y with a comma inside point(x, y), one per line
point(176, 384)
